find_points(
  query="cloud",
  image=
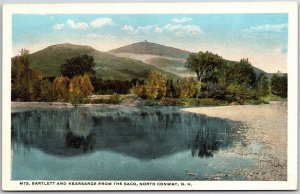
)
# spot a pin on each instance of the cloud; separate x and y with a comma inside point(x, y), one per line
point(145, 29)
point(267, 28)
point(158, 30)
point(140, 29)
point(129, 29)
point(98, 36)
point(77, 25)
point(58, 26)
point(182, 20)
point(97, 23)
point(183, 30)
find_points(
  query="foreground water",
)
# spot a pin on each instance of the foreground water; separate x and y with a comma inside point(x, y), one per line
point(118, 143)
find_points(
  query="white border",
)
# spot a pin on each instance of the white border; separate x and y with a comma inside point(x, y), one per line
point(147, 8)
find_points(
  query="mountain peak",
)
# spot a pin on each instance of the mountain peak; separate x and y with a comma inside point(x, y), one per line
point(69, 46)
point(150, 48)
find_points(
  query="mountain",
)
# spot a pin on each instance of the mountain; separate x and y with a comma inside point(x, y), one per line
point(152, 49)
point(108, 66)
point(166, 58)
point(124, 63)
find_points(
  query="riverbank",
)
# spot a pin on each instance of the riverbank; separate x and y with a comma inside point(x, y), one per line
point(20, 106)
point(264, 129)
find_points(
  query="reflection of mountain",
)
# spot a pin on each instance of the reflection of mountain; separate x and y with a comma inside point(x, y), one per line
point(144, 133)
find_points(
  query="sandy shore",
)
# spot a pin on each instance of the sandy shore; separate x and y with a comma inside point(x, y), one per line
point(19, 106)
point(265, 136)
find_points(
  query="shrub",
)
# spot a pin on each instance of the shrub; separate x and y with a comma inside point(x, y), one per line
point(139, 90)
point(272, 97)
point(150, 102)
point(206, 102)
point(113, 99)
point(239, 92)
point(255, 101)
point(172, 102)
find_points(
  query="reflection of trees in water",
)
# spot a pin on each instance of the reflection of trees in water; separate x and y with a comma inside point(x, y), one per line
point(48, 129)
point(75, 141)
point(33, 128)
point(79, 132)
point(204, 143)
point(144, 134)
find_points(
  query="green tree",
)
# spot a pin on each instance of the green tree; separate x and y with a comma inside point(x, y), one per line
point(78, 65)
point(243, 73)
point(262, 85)
point(236, 81)
point(186, 88)
point(156, 85)
point(205, 64)
point(279, 84)
point(239, 92)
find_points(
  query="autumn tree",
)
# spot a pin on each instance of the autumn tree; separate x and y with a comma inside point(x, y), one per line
point(80, 87)
point(61, 88)
point(139, 90)
point(78, 65)
point(156, 85)
point(47, 92)
point(186, 88)
point(24, 78)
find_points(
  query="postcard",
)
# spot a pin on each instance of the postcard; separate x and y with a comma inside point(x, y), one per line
point(150, 96)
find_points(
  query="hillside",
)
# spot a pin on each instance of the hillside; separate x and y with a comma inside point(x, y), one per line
point(166, 58)
point(114, 65)
point(152, 49)
point(48, 60)
point(108, 66)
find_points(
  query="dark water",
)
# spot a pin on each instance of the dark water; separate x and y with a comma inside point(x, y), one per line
point(117, 143)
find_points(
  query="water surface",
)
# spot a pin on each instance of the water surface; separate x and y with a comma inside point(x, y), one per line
point(122, 143)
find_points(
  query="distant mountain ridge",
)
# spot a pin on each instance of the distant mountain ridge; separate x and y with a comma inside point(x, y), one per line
point(124, 63)
point(152, 49)
point(108, 66)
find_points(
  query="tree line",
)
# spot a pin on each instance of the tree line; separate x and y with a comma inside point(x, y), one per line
point(29, 84)
point(216, 78)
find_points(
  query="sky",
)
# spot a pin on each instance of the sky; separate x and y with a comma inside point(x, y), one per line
point(262, 38)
